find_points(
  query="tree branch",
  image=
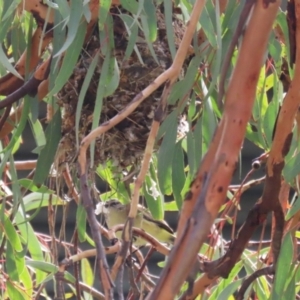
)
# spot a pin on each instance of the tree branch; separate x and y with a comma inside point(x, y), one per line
point(213, 185)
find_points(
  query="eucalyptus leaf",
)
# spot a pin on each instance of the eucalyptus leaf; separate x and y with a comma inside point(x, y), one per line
point(11, 234)
point(73, 24)
point(29, 185)
point(178, 174)
point(47, 155)
point(15, 292)
point(170, 33)
point(103, 12)
point(6, 64)
point(165, 156)
point(81, 222)
point(42, 265)
point(283, 267)
point(69, 60)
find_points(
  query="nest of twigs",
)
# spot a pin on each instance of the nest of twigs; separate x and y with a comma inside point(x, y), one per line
point(125, 143)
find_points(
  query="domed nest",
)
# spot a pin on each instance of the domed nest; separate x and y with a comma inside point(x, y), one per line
point(125, 143)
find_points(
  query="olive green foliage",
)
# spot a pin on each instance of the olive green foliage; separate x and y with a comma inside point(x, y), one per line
point(28, 261)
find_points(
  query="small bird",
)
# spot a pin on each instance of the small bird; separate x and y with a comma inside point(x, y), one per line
point(116, 213)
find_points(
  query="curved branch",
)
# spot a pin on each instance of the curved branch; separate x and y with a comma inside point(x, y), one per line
point(261, 272)
point(9, 83)
point(30, 87)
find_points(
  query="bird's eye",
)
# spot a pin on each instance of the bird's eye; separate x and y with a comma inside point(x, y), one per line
point(113, 203)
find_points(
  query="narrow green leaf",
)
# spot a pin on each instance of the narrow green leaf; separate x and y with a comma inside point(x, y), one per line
point(269, 122)
point(168, 21)
point(9, 9)
point(229, 289)
point(15, 187)
point(14, 292)
point(106, 84)
point(27, 281)
point(86, 12)
point(64, 8)
point(103, 12)
point(191, 152)
point(293, 210)
point(7, 65)
point(42, 265)
point(198, 142)
point(282, 22)
point(208, 27)
point(29, 184)
point(154, 197)
point(283, 267)
point(87, 272)
point(132, 30)
point(48, 152)
point(108, 173)
point(228, 14)
point(83, 91)
point(29, 237)
point(130, 5)
point(38, 132)
point(150, 12)
point(73, 24)
point(165, 156)
point(187, 184)
point(69, 60)
point(70, 277)
point(292, 168)
point(6, 21)
point(18, 39)
point(209, 121)
point(275, 49)
point(290, 291)
point(11, 234)
point(113, 83)
point(183, 87)
point(10, 263)
point(178, 174)
point(59, 36)
point(170, 206)
point(147, 36)
point(227, 286)
point(81, 223)
point(34, 201)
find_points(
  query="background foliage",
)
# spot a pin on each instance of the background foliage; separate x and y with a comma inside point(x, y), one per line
point(29, 259)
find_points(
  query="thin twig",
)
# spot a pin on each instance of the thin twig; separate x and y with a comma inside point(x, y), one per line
point(144, 264)
point(5, 116)
point(23, 165)
point(127, 231)
point(261, 272)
